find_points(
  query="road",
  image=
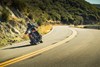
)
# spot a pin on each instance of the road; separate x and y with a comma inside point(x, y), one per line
point(81, 51)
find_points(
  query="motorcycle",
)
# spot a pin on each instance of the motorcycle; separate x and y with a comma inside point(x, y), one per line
point(35, 37)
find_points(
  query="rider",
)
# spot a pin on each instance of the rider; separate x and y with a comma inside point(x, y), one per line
point(29, 26)
point(33, 33)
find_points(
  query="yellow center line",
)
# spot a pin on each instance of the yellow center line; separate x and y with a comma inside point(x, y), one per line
point(32, 54)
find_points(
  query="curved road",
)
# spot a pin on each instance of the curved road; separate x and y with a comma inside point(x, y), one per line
point(81, 51)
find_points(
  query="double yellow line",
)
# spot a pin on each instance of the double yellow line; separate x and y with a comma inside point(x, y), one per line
point(32, 54)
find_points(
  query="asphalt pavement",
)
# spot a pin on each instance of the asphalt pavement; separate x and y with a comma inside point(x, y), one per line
point(81, 51)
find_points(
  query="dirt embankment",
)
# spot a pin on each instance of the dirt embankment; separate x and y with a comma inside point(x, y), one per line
point(13, 32)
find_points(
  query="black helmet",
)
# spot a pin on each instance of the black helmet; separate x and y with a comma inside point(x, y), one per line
point(29, 25)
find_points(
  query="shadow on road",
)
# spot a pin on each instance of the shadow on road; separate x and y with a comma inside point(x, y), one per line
point(18, 47)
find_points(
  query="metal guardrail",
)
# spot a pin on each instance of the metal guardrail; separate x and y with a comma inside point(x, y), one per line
point(92, 26)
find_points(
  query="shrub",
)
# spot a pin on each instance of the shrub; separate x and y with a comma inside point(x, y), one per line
point(39, 22)
point(92, 17)
point(19, 4)
point(30, 16)
point(5, 15)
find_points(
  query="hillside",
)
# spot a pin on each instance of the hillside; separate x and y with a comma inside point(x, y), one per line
point(13, 13)
point(97, 5)
point(67, 11)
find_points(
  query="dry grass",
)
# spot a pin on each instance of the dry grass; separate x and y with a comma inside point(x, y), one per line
point(80, 26)
point(41, 29)
point(44, 29)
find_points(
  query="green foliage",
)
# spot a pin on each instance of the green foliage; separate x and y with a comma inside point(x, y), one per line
point(78, 20)
point(30, 16)
point(97, 5)
point(57, 10)
point(39, 22)
point(54, 15)
point(19, 4)
point(92, 17)
point(5, 15)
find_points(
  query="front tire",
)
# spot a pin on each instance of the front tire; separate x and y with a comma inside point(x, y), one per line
point(41, 41)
